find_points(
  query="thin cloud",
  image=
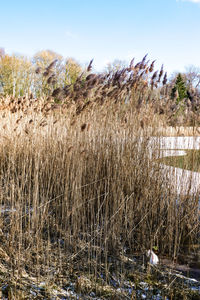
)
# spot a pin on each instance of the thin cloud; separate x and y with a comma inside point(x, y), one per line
point(193, 1)
point(70, 35)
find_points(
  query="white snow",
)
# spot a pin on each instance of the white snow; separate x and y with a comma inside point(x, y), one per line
point(182, 181)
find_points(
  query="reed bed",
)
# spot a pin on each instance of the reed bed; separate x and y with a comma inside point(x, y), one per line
point(80, 193)
point(79, 190)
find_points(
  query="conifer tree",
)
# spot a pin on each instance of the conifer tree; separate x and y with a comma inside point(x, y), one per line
point(179, 90)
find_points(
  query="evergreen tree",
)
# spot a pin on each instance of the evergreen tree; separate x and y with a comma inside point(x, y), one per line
point(179, 90)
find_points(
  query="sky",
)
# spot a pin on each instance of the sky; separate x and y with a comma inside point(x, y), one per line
point(168, 30)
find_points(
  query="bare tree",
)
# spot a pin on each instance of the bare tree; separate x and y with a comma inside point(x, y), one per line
point(2, 52)
point(192, 76)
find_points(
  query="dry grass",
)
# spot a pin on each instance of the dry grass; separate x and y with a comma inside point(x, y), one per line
point(84, 189)
point(81, 189)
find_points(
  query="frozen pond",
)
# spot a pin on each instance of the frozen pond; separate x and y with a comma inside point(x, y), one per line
point(179, 143)
point(182, 181)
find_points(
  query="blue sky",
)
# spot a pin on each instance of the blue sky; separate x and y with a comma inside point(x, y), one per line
point(169, 30)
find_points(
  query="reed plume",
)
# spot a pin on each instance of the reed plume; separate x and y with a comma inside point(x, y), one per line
point(89, 68)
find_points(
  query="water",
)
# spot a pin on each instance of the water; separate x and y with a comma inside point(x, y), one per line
point(182, 181)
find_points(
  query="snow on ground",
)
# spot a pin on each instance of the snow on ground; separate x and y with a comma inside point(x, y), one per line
point(180, 142)
point(182, 181)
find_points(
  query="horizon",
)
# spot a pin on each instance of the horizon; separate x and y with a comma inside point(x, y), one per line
point(166, 30)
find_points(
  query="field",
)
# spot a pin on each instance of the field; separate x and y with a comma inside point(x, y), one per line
point(81, 200)
point(190, 161)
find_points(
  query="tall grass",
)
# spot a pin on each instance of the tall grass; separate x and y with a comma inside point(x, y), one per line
point(82, 191)
point(80, 187)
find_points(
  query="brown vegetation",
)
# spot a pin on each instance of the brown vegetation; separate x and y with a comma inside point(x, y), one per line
point(78, 183)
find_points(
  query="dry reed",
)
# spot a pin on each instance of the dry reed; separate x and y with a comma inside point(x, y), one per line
point(78, 182)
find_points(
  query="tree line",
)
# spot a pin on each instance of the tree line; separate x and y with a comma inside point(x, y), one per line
point(22, 76)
